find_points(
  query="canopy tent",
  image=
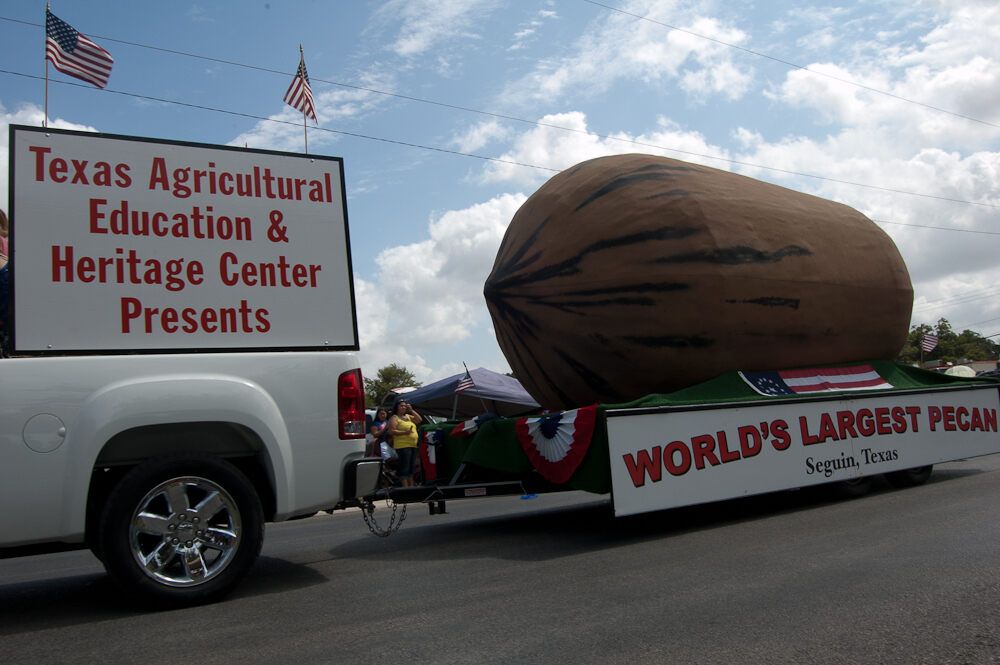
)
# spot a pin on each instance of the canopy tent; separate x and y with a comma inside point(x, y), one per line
point(490, 392)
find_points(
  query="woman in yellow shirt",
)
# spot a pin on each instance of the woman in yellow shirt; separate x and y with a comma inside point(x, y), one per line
point(403, 427)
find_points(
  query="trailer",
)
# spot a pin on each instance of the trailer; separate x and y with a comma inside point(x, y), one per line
point(741, 434)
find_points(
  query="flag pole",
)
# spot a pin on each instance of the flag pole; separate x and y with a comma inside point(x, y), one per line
point(305, 126)
point(45, 117)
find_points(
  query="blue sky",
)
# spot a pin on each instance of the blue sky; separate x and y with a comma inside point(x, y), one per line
point(573, 80)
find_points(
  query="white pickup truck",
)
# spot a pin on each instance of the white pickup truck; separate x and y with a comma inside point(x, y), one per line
point(182, 355)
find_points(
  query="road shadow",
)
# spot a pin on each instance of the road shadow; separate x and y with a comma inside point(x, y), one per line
point(68, 601)
point(551, 533)
point(545, 534)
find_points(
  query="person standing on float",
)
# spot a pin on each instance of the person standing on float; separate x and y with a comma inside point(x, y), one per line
point(403, 427)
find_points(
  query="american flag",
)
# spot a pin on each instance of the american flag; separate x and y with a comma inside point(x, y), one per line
point(74, 54)
point(299, 94)
point(825, 379)
point(928, 342)
point(465, 383)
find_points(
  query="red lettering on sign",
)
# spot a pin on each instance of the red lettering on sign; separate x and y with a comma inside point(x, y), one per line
point(933, 417)
point(645, 462)
point(704, 449)
point(725, 454)
point(782, 439)
point(131, 308)
point(807, 438)
point(845, 424)
point(962, 418)
point(750, 441)
point(826, 428)
point(99, 174)
point(230, 320)
point(40, 152)
point(948, 417)
point(866, 422)
point(898, 420)
point(882, 420)
point(677, 468)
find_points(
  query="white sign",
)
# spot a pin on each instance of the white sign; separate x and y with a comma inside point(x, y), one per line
point(125, 244)
point(677, 458)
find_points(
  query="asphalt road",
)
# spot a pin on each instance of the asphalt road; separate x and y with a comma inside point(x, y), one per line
point(899, 576)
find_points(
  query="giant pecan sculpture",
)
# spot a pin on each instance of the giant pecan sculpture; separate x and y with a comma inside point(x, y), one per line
point(634, 274)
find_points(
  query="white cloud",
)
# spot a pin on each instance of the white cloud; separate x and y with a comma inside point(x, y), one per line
point(429, 294)
point(620, 47)
point(26, 114)
point(480, 135)
point(197, 14)
point(890, 143)
point(427, 23)
point(955, 66)
point(377, 348)
point(527, 31)
point(550, 146)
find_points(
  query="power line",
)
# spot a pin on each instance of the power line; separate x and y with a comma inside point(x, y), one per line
point(968, 325)
point(947, 302)
point(989, 289)
point(957, 300)
point(383, 139)
point(794, 65)
point(297, 124)
point(937, 228)
point(392, 141)
point(536, 123)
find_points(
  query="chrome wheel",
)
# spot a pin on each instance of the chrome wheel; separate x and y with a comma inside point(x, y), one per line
point(185, 531)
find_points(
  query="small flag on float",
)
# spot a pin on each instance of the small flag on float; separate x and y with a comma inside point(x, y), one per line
point(465, 382)
point(928, 342)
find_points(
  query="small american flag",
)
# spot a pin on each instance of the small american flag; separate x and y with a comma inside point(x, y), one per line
point(74, 54)
point(299, 94)
point(465, 383)
point(928, 342)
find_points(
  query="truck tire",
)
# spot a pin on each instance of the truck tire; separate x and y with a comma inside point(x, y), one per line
point(909, 477)
point(181, 530)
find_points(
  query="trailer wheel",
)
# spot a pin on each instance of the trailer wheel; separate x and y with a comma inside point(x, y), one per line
point(909, 477)
point(181, 530)
point(851, 489)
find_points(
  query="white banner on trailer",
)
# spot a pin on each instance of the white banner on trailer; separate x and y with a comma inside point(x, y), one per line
point(676, 458)
point(126, 244)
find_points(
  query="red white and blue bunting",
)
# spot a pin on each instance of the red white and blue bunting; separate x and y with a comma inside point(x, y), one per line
point(557, 443)
point(465, 428)
point(428, 453)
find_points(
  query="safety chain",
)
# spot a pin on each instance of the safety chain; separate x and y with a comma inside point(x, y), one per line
point(368, 514)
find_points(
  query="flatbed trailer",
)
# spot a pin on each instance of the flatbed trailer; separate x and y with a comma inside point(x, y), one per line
point(665, 456)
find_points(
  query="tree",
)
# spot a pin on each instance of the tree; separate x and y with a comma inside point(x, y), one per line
point(951, 347)
point(387, 378)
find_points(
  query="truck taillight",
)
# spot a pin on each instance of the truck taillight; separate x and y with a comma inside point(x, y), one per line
point(351, 405)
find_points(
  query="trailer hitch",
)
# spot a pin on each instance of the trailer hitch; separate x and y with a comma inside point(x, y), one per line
point(369, 503)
